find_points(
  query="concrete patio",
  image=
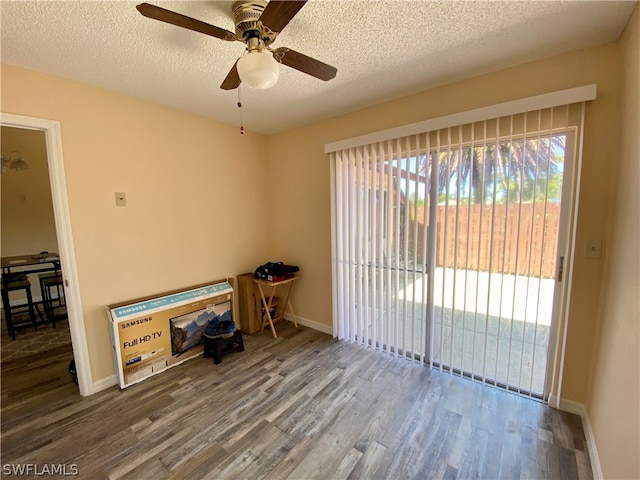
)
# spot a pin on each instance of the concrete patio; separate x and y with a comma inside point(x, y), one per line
point(472, 329)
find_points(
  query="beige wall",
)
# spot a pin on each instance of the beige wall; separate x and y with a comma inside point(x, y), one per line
point(194, 192)
point(300, 171)
point(613, 404)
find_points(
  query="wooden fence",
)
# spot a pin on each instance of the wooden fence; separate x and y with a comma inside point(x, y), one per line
point(516, 239)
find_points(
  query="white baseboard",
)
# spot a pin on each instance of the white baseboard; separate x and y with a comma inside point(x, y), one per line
point(572, 407)
point(321, 327)
point(593, 450)
point(579, 409)
point(103, 384)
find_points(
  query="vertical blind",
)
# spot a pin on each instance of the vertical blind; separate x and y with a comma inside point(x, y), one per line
point(444, 244)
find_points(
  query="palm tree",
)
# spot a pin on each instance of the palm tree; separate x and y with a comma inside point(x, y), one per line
point(517, 171)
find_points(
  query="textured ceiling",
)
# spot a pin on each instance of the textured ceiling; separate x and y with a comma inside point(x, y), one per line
point(382, 50)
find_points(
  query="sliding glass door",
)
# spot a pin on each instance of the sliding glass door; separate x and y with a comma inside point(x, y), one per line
point(498, 227)
point(448, 246)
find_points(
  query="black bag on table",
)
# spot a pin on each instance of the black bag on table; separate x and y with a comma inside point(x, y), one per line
point(275, 271)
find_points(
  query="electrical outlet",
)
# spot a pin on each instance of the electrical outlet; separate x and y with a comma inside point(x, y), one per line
point(593, 249)
point(121, 199)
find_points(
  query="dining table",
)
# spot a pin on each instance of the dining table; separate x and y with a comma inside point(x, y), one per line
point(30, 263)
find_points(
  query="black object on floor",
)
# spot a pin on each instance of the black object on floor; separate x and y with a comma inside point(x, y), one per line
point(216, 347)
point(72, 371)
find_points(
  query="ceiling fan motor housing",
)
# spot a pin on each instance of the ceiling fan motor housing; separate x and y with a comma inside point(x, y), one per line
point(246, 16)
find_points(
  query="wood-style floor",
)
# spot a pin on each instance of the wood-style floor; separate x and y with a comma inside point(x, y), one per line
point(303, 406)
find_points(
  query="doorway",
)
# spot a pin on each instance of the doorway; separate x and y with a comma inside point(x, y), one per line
point(28, 228)
point(53, 139)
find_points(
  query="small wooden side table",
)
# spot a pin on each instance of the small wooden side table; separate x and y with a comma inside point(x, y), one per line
point(287, 285)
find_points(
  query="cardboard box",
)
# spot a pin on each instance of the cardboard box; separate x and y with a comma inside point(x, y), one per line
point(151, 334)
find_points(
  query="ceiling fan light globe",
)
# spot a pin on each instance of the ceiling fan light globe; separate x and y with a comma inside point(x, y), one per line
point(258, 70)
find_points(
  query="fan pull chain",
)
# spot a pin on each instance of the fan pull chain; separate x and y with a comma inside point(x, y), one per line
point(240, 107)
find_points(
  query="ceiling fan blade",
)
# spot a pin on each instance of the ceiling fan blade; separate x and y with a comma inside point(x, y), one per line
point(305, 64)
point(167, 16)
point(278, 13)
point(232, 80)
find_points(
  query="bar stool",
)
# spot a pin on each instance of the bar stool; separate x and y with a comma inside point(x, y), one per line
point(54, 306)
point(14, 283)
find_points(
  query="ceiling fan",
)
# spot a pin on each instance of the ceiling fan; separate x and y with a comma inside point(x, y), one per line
point(258, 23)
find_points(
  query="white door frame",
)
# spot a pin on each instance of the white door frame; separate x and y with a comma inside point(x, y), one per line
point(564, 260)
point(51, 129)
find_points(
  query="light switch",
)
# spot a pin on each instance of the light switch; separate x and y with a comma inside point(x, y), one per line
point(121, 199)
point(593, 249)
